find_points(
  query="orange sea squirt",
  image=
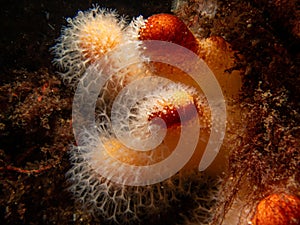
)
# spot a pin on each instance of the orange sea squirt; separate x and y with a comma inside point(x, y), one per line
point(167, 27)
point(278, 209)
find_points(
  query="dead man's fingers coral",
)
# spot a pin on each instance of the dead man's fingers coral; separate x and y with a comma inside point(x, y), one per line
point(147, 114)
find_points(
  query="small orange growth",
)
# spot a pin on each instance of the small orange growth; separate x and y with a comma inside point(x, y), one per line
point(45, 87)
point(278, 209)
point(39, 98)
point(166, 27)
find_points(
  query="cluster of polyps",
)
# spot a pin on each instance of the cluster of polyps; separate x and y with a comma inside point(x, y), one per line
point(144, 111)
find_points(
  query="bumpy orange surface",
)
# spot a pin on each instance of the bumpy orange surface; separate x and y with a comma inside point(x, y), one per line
point(278, 209)
point(166, 27)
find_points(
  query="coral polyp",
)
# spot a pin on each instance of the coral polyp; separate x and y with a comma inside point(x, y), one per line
point(86, 38)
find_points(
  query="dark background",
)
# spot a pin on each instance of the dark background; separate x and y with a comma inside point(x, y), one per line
point(29, 28)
